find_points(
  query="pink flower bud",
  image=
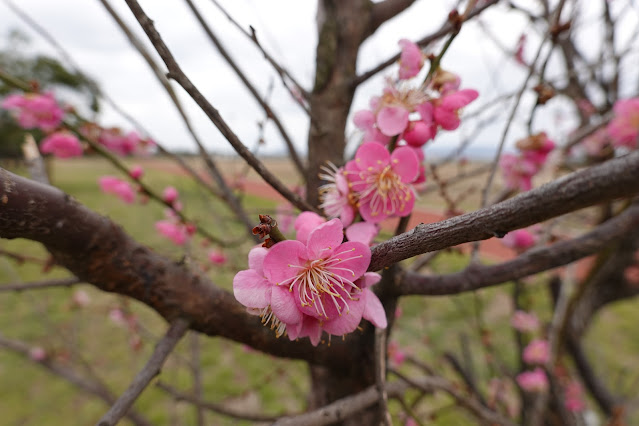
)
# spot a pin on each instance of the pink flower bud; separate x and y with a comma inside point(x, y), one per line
point(136, 172)
point(170, 194)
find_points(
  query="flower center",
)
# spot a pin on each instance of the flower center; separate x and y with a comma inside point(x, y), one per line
point(319, 284)
point(385, 191)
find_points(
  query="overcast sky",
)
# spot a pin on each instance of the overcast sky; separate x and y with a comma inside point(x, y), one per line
point(287, 29)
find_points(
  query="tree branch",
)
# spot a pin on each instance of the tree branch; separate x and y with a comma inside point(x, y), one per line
point(152, 368)
point(386, 10)
point(613, 179)
point(531, 262)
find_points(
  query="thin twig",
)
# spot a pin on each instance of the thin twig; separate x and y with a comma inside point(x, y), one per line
point(152, 368)
point(176, 73)
point(38, 285)
point(380, 375)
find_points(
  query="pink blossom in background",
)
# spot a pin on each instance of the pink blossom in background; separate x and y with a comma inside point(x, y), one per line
point(175, 232)
point(37, 353)
point(446, 112)
point(533, 381)
point(445, 81)
point(365, 121)
point(80, 298)
point(392, 109)
point(170, 194)
point(396, 355)
point(573, 397)
point(624, 127)
point(335, 196)
point(285, 217)
point(519, 50)
point(595, 143)
point(35, 110)
point(118, 187)
point(136, 172)
point(306, 223)
point(115, 140)
point(631, 274)
point(517, 172)
point(117, 317)
point(519, 239)
point(217, 257)
point(411, 59)
point(363, 232)
point(586, 108)
point(524, 321)
point(62, 145)
point(382, 181)
point(537, 352)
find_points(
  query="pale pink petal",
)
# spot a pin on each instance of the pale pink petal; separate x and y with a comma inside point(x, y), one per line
point(371, 155)
point(324, 239)
point(447, 118)
point(392, 120)
point(369, 279)
point(405, 164)
point(364, 119)
point(281, 259)
point(363, 232)
point(251, 289)
point(305, 223)
point(374, 310)
point(311, 329)
point(425, 111)
point(256, 259)
point(354, 260)
point(411, 59)
point(348, 321)
point(283, 305)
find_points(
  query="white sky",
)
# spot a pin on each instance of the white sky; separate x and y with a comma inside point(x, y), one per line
point(288, 31)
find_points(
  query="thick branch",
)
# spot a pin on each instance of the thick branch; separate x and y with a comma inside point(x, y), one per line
point(387, 10)
point(151, 369)
point(613, 179)
point(531, 262)
point(99, 252)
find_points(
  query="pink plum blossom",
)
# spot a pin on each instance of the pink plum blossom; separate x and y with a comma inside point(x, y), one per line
point(37, 354)
point(121, 188)
point(80, 298)
point(573, 397)
point(411, 59)
point(537, 352)
point(35, 110)
point(419, 132)
point(117, 316)
point(62, 145)
point(382, 181)
point(217, 257)
point(519, 51)
point(624, 127)
point(519, 239)
point(335, 196)
point(524, 321)
point(136, 172)
point(533, 381)
point(364, 232)
point(446, 111)
point(396, 354)
point(170, 194)
point(176, 232)
point(365, 121)
point(517, 172)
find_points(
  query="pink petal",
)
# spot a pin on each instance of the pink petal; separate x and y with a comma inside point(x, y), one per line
point(283, 305)
point(355, 258)
point(392, 120)
point(256, 259)
point(368, 215)
point(364, 119)
point(369, 279)
point(280, 259)
point(251, 289)
point(405, 163)
point(425, 111)
point(418, 133)
point(348, 321)
point(324, 239)
point(371, 155)
point(305, 223)
point(447, 118)
point(363, 232)
point(311, 329)
point(374, 311)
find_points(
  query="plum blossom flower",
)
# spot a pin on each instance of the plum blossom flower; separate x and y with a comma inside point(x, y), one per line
point(136, 172)
point(336, 198)
point(524, 321)
point(624, 127)
point(365, 121)
point(411, 59)
point(573, 397)
point(382, 181)
point(519, 239)
point(170, 194)
point(517, 172)
point(37, 354)
point(537, 352)
point(217, 257)
point(35, 110)
point(121, 188)
point(176, 232)
point(446, 109)
point(61, 145)
point(533, 381)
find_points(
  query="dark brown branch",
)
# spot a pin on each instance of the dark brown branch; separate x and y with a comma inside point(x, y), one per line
point(99, 252)
point(151, 369)
point(36, 285)
point(613, 179)
point(178, 75)
point(447, 28)
point(531, 262)
point(265, 106)
point(91, 386)
point(216, 408)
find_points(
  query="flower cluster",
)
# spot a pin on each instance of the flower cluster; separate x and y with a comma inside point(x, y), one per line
point(116, 140)
point(518, 170)
point(35, 111)
point(312, 284)
point(624, 127)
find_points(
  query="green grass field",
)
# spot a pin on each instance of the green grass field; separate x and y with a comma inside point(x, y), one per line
point(87, 340)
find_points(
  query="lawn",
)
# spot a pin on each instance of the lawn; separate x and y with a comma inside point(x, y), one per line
point(87, 339)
